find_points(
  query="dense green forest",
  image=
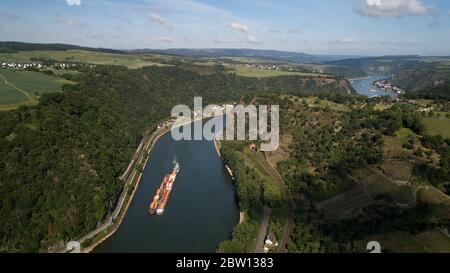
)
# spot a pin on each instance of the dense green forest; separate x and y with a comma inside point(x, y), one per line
point(328, 148)
point(249, 190)
point(60, 160)
point(440, 93)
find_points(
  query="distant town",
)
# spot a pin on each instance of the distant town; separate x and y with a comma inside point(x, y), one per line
point(37, 65)
point(387, 86)
point(261, 66)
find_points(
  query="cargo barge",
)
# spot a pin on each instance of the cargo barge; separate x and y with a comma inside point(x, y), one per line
point(160, 200)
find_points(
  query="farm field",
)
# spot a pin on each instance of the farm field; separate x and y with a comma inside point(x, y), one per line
point(397, 170)
point(381, 187)
point(436, 126)
point(433, 241)
point(431, 195)
point(394, 144)
point(345, 205)
point(259, 73)
point(59, 72)
point(25, 87)
point(10, 97)
point(313, 101)
point(99, 58)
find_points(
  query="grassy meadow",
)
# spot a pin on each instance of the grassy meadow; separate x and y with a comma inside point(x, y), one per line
point(437, 126)
point(260, 73)
point(80, 56)
point(25, 87)
point(433, 241)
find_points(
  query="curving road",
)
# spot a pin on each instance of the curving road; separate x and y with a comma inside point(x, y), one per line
point(264, 161)
point(259, 248)
point(141, 154)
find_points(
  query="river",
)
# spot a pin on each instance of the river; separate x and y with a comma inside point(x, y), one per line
point(364, 86)
point(202, 209)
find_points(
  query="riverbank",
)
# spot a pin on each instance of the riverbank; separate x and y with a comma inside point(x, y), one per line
point(366, 86)
point(230, 171)
point(148, 148)
point(360, 78)
point(153, 139)
point(216, 145)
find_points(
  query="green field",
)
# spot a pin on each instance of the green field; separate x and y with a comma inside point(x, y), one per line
point(394, 144)
point(345, 205)
point(25, 87)
point(260, 73)
point(10, 97)
point(433, 241)
point(59, 72)
point(79, 56)
point(436, 126)
point(327, 104)
point(381, 187)
point(431, 195)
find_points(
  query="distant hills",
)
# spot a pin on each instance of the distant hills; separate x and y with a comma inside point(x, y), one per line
point(13, 47)
point(274, 55)
point(252, 53)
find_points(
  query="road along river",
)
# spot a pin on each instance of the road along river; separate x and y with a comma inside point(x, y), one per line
point(202, 209)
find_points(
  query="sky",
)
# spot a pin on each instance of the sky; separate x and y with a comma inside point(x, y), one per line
point(349, 27)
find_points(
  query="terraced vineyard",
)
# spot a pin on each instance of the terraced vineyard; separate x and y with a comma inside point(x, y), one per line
point(345, 205)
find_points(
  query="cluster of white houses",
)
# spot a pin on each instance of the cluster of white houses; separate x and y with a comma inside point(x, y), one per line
point(260, 66)
point(387, 86)
point(14, 65)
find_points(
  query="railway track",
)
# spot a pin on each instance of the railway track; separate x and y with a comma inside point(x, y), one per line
point(264, 161)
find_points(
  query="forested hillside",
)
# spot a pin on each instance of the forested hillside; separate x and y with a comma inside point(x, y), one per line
point(60, 160)
point(12, 47)
point(356, 172)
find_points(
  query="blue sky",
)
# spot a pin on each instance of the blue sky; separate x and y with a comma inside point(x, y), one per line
point(363, 27)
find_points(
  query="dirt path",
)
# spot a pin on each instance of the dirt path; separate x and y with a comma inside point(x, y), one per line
point(30, 98)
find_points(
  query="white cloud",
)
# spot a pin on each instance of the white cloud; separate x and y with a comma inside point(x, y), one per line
point(240, 27)
point(154, 17)
point(188, 40)
point(294, 31)
point(73, 2)
point(253, 40)
point(66, 23)
point(276, 30)
point(224, 41)
point(380, 8)
point(347, 41)
point(401, 43)
point(9, 15)
point(194, 6)
point(163, 39)
point(139, 8)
